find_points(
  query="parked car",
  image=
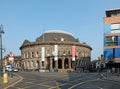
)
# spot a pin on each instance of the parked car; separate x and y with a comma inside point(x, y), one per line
point(15, 70)
point(11, 68)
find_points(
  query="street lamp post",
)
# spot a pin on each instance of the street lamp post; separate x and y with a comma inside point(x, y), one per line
point(1, 32)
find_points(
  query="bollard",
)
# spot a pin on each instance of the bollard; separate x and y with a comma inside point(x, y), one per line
point(5, 78)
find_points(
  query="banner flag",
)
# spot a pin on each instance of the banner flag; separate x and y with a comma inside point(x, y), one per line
point(73, 52)
point(43, 53)
point(55, 52)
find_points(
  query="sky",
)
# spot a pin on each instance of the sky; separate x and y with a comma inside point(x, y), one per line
point(28, 19)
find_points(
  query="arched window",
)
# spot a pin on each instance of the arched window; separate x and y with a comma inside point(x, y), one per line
point(59, 63)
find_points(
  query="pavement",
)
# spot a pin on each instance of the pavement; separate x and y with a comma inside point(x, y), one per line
point(11, 81)
point(16, 79)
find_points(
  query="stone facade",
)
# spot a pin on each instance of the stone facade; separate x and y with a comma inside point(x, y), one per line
point(32, 56)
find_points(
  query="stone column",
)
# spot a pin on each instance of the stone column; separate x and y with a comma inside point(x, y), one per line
point(63, 63)
point(56, 64)
point(45, 64)
point(51, 63)
point(35, 67)
point(25, 64)
point(40, 63)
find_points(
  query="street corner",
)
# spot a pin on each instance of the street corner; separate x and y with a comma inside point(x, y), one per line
point(13, 80)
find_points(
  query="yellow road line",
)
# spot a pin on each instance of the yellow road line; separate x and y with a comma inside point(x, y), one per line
point(21, 78)
point(35, 85)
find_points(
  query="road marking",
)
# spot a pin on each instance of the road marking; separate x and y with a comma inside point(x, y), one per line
point(81, 83)
point(72, 76)
point(21, 78)
point(46, 85)
point(35, 85)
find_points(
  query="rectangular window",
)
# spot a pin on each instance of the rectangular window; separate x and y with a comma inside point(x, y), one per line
point(107, 28)
point(115, 26)
point(111, 41)
point(118, 40)
point(117, 52)
point(108, 53)
point(114, 14)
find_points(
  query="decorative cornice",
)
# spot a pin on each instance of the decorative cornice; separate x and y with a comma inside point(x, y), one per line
point(54, 42)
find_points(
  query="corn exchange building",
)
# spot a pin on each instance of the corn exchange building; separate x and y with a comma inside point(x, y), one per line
point(55, 49)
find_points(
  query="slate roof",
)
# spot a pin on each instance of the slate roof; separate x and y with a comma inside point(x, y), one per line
point(57, 36)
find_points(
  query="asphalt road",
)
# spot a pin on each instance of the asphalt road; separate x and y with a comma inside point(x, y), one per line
point(60, 80)
point(98, 84)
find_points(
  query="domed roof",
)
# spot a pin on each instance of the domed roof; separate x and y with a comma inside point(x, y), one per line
point(57, 35)
point(53, 37)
